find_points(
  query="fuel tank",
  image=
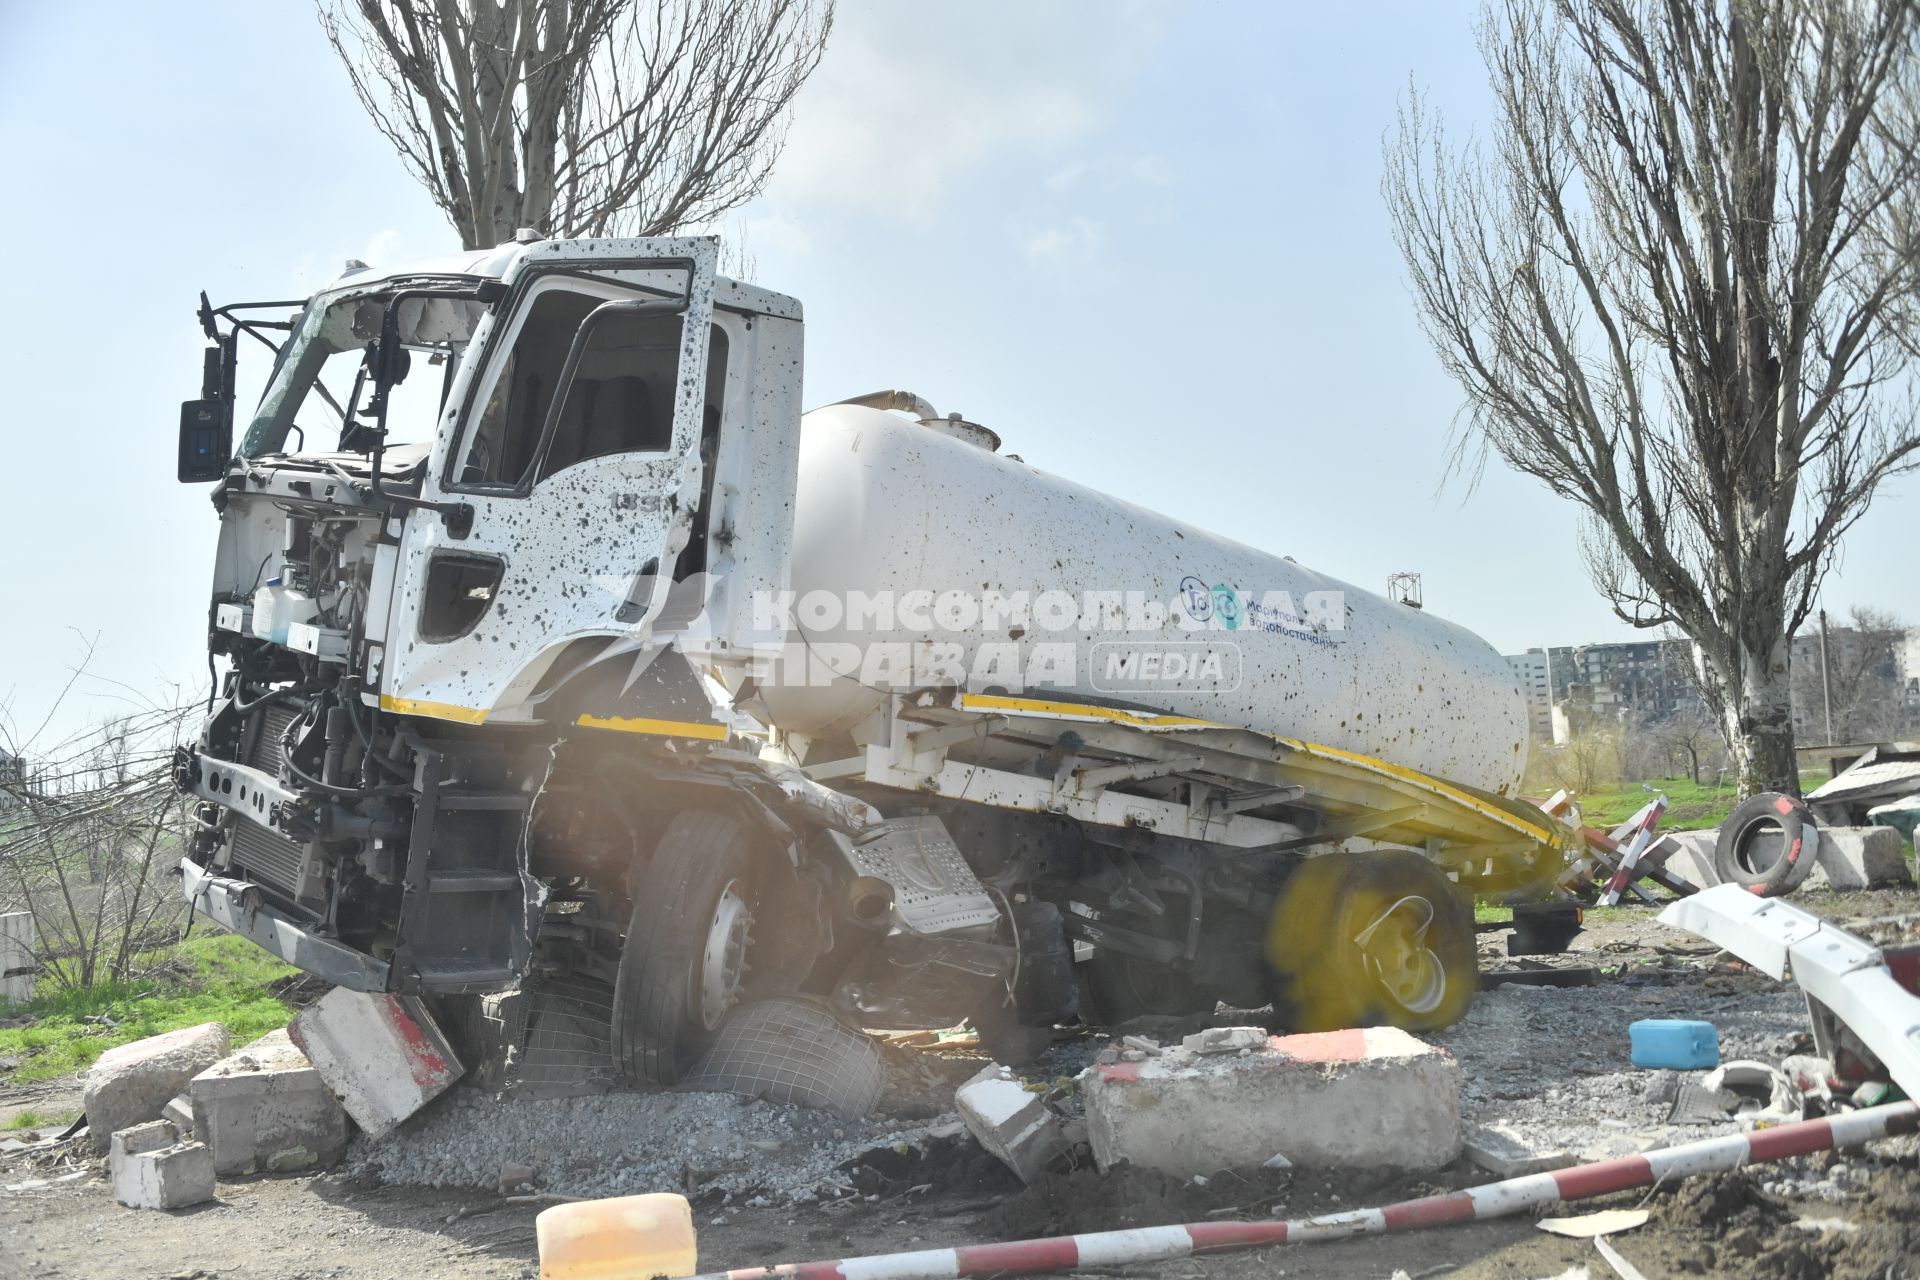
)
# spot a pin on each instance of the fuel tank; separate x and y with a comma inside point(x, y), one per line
point(922, 558)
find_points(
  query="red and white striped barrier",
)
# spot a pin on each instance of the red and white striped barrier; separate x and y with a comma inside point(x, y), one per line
point(1494, 1200)
point(1643, 824)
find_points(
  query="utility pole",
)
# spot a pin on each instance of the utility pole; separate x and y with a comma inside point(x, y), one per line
point(1826, 684)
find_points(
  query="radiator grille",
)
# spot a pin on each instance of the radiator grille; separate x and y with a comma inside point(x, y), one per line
point(268, 855)
point(274, 723)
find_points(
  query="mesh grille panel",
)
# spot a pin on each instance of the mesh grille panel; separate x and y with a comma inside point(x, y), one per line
point(274, 723)
point(268, 855)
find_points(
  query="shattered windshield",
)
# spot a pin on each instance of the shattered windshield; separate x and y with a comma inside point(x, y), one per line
point(320, 378)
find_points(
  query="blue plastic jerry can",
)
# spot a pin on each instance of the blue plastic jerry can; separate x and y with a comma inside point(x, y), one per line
point(1679, 1044)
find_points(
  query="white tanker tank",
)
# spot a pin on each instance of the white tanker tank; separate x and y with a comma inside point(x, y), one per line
point(921, 557)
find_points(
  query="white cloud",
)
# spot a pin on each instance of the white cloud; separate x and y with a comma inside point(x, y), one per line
point(381, 250)
point(311, 271)
point(775, 232)
point(910, 99)
point(1150, 169)
point(1077, 237)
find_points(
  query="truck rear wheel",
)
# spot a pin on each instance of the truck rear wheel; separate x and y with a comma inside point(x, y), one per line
point(690, 944)
point(1366, 939)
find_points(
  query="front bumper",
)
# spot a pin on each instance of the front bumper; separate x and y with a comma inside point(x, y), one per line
point(238, 905)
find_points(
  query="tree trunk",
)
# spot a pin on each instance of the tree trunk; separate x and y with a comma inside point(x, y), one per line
point(1757, 716)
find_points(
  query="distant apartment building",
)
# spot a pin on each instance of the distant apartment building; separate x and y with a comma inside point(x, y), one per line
point(1570, 687)
point(14, 780)
point(1639, 680)
point(1873, 685)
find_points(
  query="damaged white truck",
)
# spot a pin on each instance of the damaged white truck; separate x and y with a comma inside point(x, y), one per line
point(557, 642)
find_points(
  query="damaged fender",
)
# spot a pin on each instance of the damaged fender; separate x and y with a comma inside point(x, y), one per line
point(1845, 974)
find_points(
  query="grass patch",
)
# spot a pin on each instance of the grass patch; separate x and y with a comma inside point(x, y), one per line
point(1690, 805)
point(212, 978)
point(1494, 913)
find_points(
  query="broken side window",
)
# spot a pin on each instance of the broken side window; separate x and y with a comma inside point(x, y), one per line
point(619, 400)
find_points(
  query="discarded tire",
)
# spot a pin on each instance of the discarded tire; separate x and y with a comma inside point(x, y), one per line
point(1768, 844)
point(790, 1049)
point(1365, 939)
point(688, 944)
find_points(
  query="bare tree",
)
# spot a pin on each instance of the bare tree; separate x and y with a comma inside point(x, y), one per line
point(1862, 676)
point(1688, 737)
point(91, 830)
point(1666, 287)
point(581, 117)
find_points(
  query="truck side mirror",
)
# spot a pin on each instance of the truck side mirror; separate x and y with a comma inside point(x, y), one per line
point(206, 440)
point(206, 424)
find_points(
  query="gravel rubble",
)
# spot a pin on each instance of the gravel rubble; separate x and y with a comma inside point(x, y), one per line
point(627, 1143)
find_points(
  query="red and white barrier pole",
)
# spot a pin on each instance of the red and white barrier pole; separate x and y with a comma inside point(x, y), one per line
point(1643, 822)
point(1494, 1200)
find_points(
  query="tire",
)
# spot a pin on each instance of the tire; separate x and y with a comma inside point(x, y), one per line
point(1768, 845)
point(1116, 987)
point(689, 944)
point(792, 1049)
point(1361, 940)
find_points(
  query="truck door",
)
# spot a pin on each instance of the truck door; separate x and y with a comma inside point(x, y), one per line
point(578, 448)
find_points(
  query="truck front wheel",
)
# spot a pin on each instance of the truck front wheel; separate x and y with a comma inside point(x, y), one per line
point(1116, 987)
point(690, 944)
point(1365, 939)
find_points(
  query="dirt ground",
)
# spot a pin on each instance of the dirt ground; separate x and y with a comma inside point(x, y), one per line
point(1553, 1062)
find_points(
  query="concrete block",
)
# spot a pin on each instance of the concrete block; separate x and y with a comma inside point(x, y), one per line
point(1505, 1154)
point(1225, 1040)
point(136, 1139)
point(265, 1109)
point(383, 1056)
point(1366, 1098)
point(179, 1113)
point(1693, 860)
point(134, 1082)
point(1861, 858)
point(151, 1169)
point(1016, 1126)
point(19, 947)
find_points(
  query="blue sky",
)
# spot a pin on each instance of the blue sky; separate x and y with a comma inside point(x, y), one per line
point(1144, 243)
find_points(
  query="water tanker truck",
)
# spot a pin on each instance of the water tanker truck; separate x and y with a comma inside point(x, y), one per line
point(562, 655)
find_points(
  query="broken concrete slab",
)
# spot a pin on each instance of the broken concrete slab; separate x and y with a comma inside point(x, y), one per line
point(1505, 1154)
point(1861, 858)
point(1372, 1098)
point(132, 1083)
point(179, 1112)
point(265, 1109)
point(1692, 860)
point(150, 1167)
point(1016, 1126)
point(1225, 1040)
point(382, 1056)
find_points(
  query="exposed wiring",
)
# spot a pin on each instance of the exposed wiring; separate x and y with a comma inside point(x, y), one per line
point(273, 695)
point(383, 789)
